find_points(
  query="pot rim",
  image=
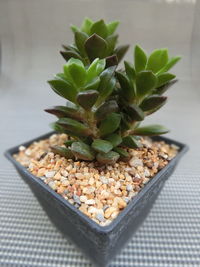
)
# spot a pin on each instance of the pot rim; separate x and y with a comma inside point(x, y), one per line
point(95, 226)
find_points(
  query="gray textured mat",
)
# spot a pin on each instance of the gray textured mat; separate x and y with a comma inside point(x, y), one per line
point(30, 36)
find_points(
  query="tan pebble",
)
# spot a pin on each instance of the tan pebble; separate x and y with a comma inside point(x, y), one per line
point(22, 148)
point(109, 211)
point(121, 204)
point(65, 182)
point(90, 202)
point(41, 172)
point(50, 174)
point(92, 210)
point(57, 176)
point(135, 162)
point(91, 181)
point(83, 198)
point(79, 176)
point(145, 180)
point(114, 214)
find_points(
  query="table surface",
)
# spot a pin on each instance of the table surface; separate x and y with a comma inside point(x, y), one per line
point(31, 33)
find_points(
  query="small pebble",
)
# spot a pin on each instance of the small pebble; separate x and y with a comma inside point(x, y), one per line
point(50, 174)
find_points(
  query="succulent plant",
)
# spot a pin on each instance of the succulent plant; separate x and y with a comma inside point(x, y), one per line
point(95, 40)
point(104, 107)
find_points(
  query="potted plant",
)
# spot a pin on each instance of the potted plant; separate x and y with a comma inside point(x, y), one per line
point(98, 174)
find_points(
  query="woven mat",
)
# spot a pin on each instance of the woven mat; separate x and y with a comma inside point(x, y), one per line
point(170, 236)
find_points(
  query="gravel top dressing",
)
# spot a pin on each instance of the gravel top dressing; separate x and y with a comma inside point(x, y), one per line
point(100, 192)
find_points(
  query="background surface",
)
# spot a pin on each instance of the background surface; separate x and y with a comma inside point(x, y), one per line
point(31, 34)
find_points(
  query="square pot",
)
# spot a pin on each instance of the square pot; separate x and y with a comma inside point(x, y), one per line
point(99, 243)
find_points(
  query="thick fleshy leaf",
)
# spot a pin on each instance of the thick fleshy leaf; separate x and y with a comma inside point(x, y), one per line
point(80, 38)
point(86, 26)
point(62, 111)
point(171, 62)
point(95, 68)
point(157, 60)
point(74, 28)
point(69, 142)
point(62, 151)
point(82, 151)
point(93, 85)
point(75, 70)
point(151, 130)
point(140, 58)
point(164, 78)
point(145, 82)
point(120, 51)
point(107, 158)
point(114, 139)
point(124, 155)
point(135, 112)
point(127, 91)
point(100, 145)
point(161, 90)
point(74, 126)
point(69, 54)
point(109, 124)
point(112, 26)
point(107, 83)
point(111, 43)
point(63, 89)
point(130, 71)
point(56, 127)
point(99, 28)
point(152, 102)
point(106, 108)
point(87, 99)
point(95, 47)
point(131, 141)
point(111, 61)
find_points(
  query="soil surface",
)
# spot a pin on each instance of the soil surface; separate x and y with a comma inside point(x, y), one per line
point(100, 192)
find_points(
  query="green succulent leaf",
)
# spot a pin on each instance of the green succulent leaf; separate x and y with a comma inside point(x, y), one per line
point(153, 102)
point(63, 89)
point(69, 54)
point(74, 28)
point(86, 25)
point(107, 158)
point(135, 112)
point(161, 90)
point(111, 43)
point(130, 71)
point(112, 26)
point(69, 143)
point(100, 145)
point(62, 151)
point(109, 124)
point(164, 78)
point(124, 155)
point(114, 139)
point(82, 151)
point(105, 109)
point(145, 82)
point(95, 68)
point(99, 28)
point(107, 83)
point(131, 141)
point(140, 58)
point(87, 99)
point(151, 130)
point(171, 62)
point(111, 61)
point(157, 60)
point(127, 90)
point(74, 126)
point(95, 47)
point(62, 111)
point(120, 51)
point(80, 38)
point(75, 71)
point(56, 127)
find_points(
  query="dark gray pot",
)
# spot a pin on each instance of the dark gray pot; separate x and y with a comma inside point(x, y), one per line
point(101, 244)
